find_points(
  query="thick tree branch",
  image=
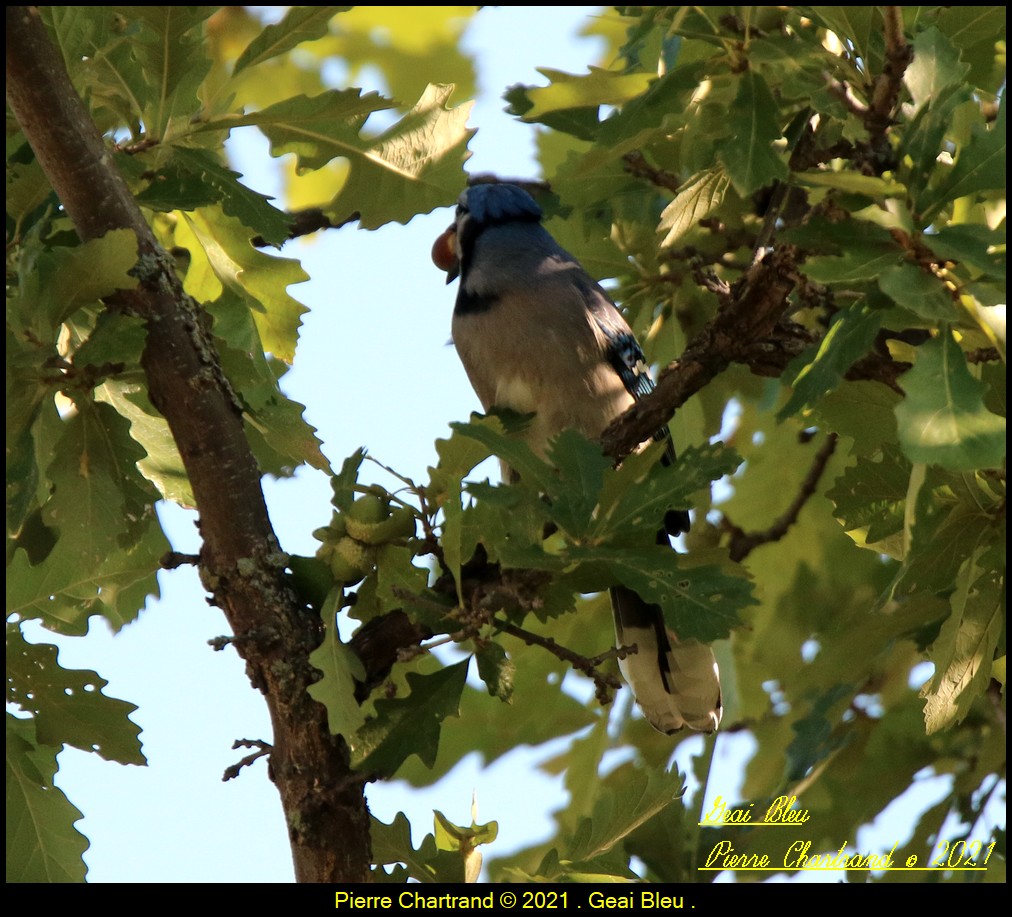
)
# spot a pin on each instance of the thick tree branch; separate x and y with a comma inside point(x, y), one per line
point(749, 314)
point(241, 561)
point(885, 92)
point(889, 83)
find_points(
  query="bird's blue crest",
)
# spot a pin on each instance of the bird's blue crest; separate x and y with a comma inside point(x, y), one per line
point(495, 203)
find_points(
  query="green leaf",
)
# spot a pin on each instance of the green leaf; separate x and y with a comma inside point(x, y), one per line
point(279, 435)
point(921, 292)
point(935, 67)
point(68, 705)
point(697, 197)
point(858, 262)
point(411, 168)
point(42, 843)
point(398, 579)
point(392, 844)
point(301, 23)
point(315, 129)
point(496, 669)
point(582, 467)
point(822, 236)
point(635, 499)
point(700, 598)
point(849, 338)
point(62, 280)
point(870, 499)
point(161, 464)
point(99, 52)
point(23, 514)
point(177, 187)
point(581, 123)
point(853, 183)
point(341, 668)
point(645, 118)
point(99, 498)
point(814, 737)
point(977, 247)
point(115, 338)
point(459, 538)
point(943, 420)
point(629, 797)
point(409, 726)
point(343, 483)
point(501, 434)
point(195, 178)
point(28, 398)
point(861, 650)
point(925, 137)
point(748, 154)
point(171, 53)
point(449, 836)
point(541, 709)
point(852, 24)
point(65, 589)
point(967, 26)
point(109, 543)
point(947, 515)
point(862, 410)
point(510, 521)
point(311, 578)
point(980, 166)
point(260, 280)
point(27, 188)
point(575, 91)
point(965, 648)
point(457, 456)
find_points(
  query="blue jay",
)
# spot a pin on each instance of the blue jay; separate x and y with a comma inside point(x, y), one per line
point(538, 335)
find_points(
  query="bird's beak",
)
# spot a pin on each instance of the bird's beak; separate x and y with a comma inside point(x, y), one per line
point(444, 253)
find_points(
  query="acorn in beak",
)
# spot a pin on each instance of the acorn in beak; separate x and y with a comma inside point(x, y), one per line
point(444, 253)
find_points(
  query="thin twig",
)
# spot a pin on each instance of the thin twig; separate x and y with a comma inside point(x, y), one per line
point(636, 164)
point(171, 560)
point(306, 222)
point(773, 210)
point(742, 543)
point(983, 355)
point(604, 684)
point(263, 748)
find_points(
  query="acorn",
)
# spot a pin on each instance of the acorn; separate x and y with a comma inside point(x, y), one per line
point(370, 520)
point(444, 254)
point(351, 560)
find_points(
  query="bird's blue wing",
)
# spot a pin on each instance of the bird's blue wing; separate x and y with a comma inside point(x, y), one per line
point(627, 359)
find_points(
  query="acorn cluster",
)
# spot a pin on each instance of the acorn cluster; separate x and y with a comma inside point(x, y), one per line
point(349, 544)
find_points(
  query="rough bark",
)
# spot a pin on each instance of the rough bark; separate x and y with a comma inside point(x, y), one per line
point(241, 563)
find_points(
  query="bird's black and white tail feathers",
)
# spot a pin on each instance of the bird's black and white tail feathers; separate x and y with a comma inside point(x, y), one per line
point(675, 682)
